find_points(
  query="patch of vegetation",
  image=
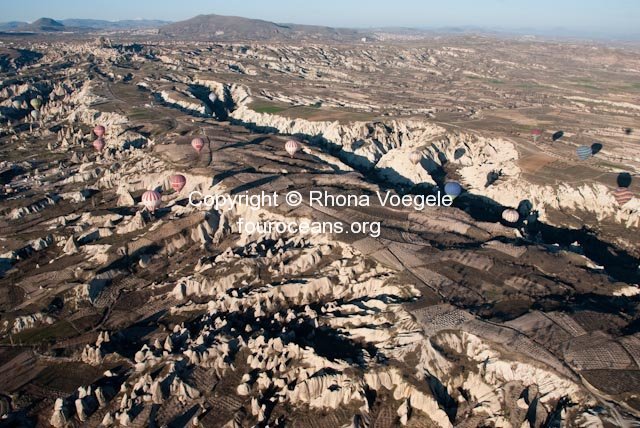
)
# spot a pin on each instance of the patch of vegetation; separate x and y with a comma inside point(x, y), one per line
point(267, 107)
point(59, 330)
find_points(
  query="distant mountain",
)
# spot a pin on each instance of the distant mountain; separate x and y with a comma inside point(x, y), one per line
point(219, 27)
point(99, 24)
point(8, 26)
point(42, 25)
point(47, 25)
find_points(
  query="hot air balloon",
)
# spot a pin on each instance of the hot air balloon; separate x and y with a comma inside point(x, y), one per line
point(213, 97)
point(36, 103)
point(557, 135)
point(628, 131)
point(17, 104)
point(177, 182)
point(415, 157)
point(99, 130)
point(151, 200)
point(584, 152)
point(36, 114)
point(510, 215)
point(292, 147)
point(98, 144)
point(197, 143)
point(536, 133)
point(622, 195)
point(453, 189)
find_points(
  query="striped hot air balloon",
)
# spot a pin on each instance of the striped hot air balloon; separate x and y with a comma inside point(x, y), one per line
point(151, 200)
point(291, 147)
point(98, 144)
point(99, 130)
point(584, 152)
point(415, 157)
point(197, 143)
point(177, 182)
point(622, 195)
point(510, 215)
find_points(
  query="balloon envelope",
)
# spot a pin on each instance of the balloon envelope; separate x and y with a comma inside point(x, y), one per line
point(35, 114)
point(453, 189)
point(510, 215)
point(197, 143)
point(557, 135)
point(151, 200)
point(98, 144)
point(36, 103)
point(99, 130)
point(622, 195)
point(213, 97)
point(291, 147)
point(584, 152)
point(415, 157)
point(178, 182)
point(17, 104)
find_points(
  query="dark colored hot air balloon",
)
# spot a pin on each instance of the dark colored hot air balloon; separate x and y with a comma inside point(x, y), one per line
point(595, 148)
point(99, 130)
point(177, 182)
point(584, 152)
point(557, 135)
point(151, 200)
point(624, 179)
point(459, 153)
point(197, 143)
point(453, 189)
point(98, 144)
point(628, 131)
point(622, 195)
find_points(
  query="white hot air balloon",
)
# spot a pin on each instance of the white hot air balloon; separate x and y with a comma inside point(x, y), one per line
point(151, 200)
point(415, 157)
point(292, 147)
point(510, 215)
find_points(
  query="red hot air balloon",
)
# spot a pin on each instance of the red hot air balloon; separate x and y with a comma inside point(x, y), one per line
point(178, 182)
point(197, 143)
point(622, 195)
point(98, 144)
point(99, 130)
point(536, 133)
point(292, 147)
point(151, 200)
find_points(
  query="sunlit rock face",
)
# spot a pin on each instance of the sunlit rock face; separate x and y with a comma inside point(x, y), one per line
point(115, 312)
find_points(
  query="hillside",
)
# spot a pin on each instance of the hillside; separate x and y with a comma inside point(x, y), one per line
point(219, 27)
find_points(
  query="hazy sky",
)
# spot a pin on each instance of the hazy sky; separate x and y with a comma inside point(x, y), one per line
point(599, 16)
